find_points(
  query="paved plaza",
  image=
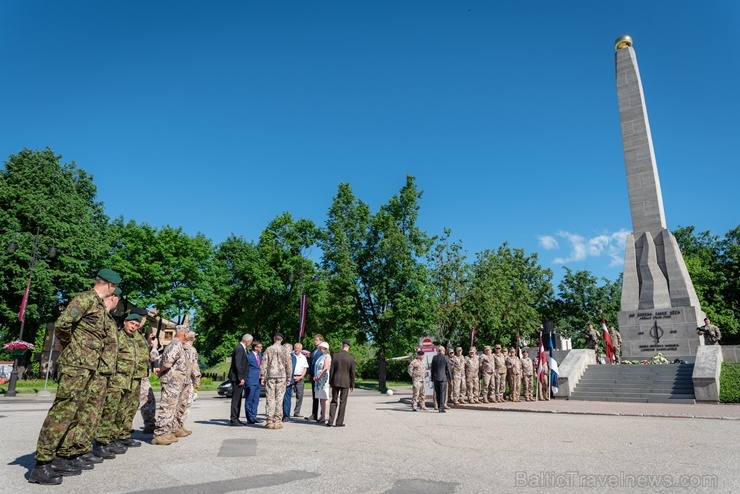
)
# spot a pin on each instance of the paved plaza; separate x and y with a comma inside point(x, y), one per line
point(386, 448)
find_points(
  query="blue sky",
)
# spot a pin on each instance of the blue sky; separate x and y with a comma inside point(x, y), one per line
point(505, 112)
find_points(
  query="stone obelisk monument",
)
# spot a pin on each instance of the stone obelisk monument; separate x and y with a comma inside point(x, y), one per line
point(660, 309)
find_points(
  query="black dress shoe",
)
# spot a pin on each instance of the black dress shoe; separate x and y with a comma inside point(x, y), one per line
point(44, 474)
point(115, 448)
point(117, 442)
point(102, 451)
point(62, 467)
point(130, 443)
point(237, 424)
point(92, 457)
point(339, 425)
point(328, 424)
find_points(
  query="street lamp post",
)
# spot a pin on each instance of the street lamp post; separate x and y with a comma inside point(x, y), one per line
point(22, 313)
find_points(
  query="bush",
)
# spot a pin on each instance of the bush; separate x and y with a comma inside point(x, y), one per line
point(729, 383)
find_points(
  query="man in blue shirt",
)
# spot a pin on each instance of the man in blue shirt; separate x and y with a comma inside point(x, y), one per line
point(252, 386)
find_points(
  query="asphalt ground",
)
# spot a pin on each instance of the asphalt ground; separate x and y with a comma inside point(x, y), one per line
point(386, 448)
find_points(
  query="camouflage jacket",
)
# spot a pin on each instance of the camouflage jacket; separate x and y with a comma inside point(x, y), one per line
point(616, 338)
point(142, 356)
point(514, 364)
point(471, 367)
point(173, 358)
point(457, 362)
point(487, 364)
point(417, 370)
point(276, 363)
point(500, 362)
point(87, 334)
point(527, 366)
point(712, 334)
point(193, 369)
point(126, 362)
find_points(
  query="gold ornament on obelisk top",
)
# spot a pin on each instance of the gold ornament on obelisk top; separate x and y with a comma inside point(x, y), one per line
point(623, 42)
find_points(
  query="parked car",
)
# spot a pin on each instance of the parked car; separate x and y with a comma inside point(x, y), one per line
point(226, 389)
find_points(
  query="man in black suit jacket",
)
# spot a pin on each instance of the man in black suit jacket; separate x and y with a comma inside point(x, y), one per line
point(440, 375)
point(238, 376)
point(341, 378)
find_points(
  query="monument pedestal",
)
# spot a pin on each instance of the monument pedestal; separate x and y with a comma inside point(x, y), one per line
point(671, 332)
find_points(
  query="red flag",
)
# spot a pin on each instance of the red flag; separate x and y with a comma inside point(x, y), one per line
point(608, 340)
point(24, 302)
point(302, 323)
point(472, 336)
point(541, 362)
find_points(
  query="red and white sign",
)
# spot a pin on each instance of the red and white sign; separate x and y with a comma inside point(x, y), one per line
point(426, 344)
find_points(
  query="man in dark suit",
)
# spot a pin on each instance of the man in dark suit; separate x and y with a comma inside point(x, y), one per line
point(289, 388)
point(252, 386)
point(238, 376)
point(342, 382)
point(440, 375)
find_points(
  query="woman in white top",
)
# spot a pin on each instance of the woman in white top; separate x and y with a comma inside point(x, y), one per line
point(321, 377)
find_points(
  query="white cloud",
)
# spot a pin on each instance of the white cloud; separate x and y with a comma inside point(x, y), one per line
point(548, 242)
point(609, 244)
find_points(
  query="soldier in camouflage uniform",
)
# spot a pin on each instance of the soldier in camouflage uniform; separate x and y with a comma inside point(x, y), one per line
point(146, 402)
point(499, 360)
point(527, 373)
point(141, 374)
point(516, 372)
point(192, 383)
point(119, 392)
point(275, 373)
point(471, 376)
point(487, 368)
point(82, 330)
point(711, 333)
point(457, 362)
point(172, 371)
point(417, 371)
point(617, 343)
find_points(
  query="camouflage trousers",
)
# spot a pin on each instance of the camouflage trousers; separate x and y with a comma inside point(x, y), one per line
point(147, 403)
point(527, 385)
point(514, 381)
point(72, 418)
point(112, 416)
point(275, 392)
point(489, 386)
point(473, 387)
point(418, 394)
point(130, 405)
point(500, 385)
point(617, 352)
point(172, 384)
point(184, 403)
point(458, 387)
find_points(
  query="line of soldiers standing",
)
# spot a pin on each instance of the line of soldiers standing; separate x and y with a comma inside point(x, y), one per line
point(101, 370)
point(496, 370)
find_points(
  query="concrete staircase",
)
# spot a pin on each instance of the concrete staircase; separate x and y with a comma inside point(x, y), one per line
point(670, 383)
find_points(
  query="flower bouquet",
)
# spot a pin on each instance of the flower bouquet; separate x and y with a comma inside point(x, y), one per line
point(18, 347)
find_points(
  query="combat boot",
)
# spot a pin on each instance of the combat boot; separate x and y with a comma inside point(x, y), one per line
point(447, 407)
point(103, 452)
point(423, 407)
point(187, 431)
point(279, 425)
point(181, 433)
point(44, 474)
point(436, 407)
point(62, 467)
point(80, 462)
point(269, 425)
point(130, 443)
point(92, 457)
point(485, 400)
point(162, 440)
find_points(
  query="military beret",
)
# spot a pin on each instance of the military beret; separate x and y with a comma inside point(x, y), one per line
point(278, 336)
point(419, 352)
point(117, 291)
point(346, 342)
point(133, 317)
point(140, 311)
point(109, 275)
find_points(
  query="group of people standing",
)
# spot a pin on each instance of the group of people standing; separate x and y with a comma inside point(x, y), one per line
point(282, 373)
point(104, 379)
point(494, 376)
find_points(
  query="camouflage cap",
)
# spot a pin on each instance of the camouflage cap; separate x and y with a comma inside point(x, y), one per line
point(486, 348)
point(109, 275)
point(133, 317)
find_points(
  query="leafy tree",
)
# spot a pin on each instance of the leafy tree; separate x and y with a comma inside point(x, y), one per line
point(377, 282)
point(162, 267)
point(581, 301)
point(38, 191)
point(510, 292)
